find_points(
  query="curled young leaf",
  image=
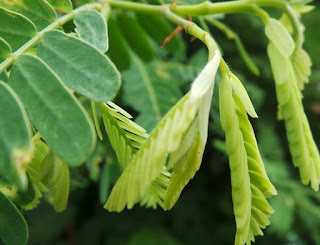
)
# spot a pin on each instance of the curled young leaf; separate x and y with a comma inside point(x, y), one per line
point(280, 37)
point(250, 183)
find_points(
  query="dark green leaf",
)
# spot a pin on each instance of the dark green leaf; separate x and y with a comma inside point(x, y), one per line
point(15, 138)
point(5, 49)
point(13, 227)
point(119, 51)
point(80, 66)
point(92, 28)
point(59, 117)
point(136, 37)
point(38, 11)
point(148, 93)
point(15, 29)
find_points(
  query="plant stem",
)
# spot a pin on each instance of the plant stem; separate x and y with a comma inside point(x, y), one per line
point(56, 24)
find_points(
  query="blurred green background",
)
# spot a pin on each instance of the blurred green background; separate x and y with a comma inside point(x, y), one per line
point(203, 214)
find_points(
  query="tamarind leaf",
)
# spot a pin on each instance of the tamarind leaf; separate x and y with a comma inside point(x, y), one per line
point(239, 89)
point(119, 50)
point(53, 110)
point(279, 64)
point(91, 27)
point(40, 152)
point(96, 120)
point(250, 183)
point(302, 147)
point(38, 11)
point(125, 136)
point(13, 227)
point(301, 63)
point(176, 46)
point(60, 184)
point(186, 162)
point(15, 29)
point(136, 37)
point(15, 138)
point(144, 91)
point(149, 162)
point(68, 56)
point(5, 49)
point(280, 37)
point(64, 6)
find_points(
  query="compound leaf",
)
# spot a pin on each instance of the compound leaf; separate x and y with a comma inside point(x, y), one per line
point(15, 138)
point(15, 29)
point(13, 227)
point(80, 66)
point(38, 11)
point(91, 27)
point(59, 117)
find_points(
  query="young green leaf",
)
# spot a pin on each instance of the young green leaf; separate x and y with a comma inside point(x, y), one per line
point(15, 29)
point(59, 117)
point(15, 138)
point(301, 63)
point(80, 66)
point(38, 11)
point(125, 136)
point(280, 64)
point(250, 184)
point(64, 6)
point(91, 27)
point(280, 37)
point(5, 49)
point(40, 152)
point(186, 162)
point(303, 149)
point(13, 227)
point(148, 163)
point(239, 89)
point(59, 180)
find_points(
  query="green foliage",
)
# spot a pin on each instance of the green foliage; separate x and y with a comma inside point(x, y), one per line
point(15, 135)
point(53, 115)
point(13, 228)
point(67, 56)
point(58, 82)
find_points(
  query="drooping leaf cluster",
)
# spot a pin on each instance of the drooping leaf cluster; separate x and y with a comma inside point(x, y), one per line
point(55, 63)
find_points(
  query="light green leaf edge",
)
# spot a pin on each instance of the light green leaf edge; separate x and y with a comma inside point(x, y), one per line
point(15, 136)
point(5, 49)
point(81, 151)
point(64, 6)
point(92, 28)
